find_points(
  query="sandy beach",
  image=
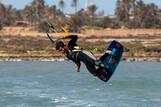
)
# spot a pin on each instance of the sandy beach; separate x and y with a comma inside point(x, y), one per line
point(147, 37)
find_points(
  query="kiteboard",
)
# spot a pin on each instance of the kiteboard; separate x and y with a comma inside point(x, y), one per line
point(110, 61)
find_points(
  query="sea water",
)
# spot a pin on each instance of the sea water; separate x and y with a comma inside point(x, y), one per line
point(56, 84)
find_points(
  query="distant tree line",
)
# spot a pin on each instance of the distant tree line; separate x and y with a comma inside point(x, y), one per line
point(137, 14)
point(128, 13)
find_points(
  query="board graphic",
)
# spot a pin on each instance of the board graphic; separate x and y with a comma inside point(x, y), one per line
point(110, 61)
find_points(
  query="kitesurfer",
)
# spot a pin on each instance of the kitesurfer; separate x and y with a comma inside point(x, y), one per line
point(74, 52)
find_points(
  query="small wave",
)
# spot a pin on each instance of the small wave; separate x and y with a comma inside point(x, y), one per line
point(11, 60)
point(18, 105)
point(43, 96)
point(58, 100)
point(9, 93)
point(156, 99)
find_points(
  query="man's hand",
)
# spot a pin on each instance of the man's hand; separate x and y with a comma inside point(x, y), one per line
point(77, 69)
point(108, 52)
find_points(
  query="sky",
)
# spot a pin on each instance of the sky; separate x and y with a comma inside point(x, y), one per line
point(107, 5)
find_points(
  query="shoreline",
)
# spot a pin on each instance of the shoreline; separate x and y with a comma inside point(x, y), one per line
point(57, 60)
point(121, 32)
point(140, 44)
point(62, 58)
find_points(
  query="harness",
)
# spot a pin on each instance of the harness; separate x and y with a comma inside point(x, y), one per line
point(76, 49)
point(74, 52)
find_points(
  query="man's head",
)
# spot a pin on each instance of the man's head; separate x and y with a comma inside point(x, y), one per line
point(59, 45)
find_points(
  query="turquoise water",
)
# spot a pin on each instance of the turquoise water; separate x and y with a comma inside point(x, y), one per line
point(56, 84)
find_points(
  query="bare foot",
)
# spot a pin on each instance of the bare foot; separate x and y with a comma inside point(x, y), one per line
point(102, 65)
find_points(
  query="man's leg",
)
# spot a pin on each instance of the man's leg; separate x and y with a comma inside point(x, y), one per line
point(91, 68)
point(89, 62)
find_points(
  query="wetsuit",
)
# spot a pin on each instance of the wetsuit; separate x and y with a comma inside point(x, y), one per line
point(75, 54)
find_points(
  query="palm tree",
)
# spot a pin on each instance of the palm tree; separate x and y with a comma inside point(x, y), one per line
point(140, 13)
point(75, 4)
point(53, 10)
point(62, 5)
point(123, 10)
point(28, 14)
point(38, 6)
point(134, 12)
point(92, 9)
point(2, 11)
point(119, 9)
point(127, 6)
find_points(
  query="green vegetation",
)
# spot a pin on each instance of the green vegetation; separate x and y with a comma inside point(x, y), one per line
point(26, 45)
point(128, 13)
point(36, 15)
point(95, 47)
point(133, 48)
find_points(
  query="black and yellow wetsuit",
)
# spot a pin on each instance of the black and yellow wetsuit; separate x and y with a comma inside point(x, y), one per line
point(75, 54)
